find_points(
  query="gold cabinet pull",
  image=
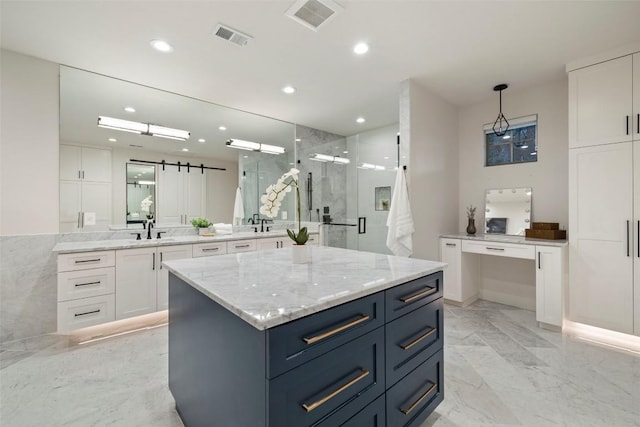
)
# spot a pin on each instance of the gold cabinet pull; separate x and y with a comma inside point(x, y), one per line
point(408, 410)
point(421, 294)
point(336, 392)
point(417, 340)
point(316, 338)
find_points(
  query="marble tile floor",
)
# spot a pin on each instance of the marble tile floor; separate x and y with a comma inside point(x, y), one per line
point(500, 370)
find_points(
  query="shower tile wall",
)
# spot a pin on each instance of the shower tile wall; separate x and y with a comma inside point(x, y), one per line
point(329, 181)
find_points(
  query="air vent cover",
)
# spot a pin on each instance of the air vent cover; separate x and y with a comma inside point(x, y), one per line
point(231, 35)
point(313, 13)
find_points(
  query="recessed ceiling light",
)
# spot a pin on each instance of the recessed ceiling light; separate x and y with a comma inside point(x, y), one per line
point(246, 157)
point(113, 140)
point(222, 128)
point(345, 152)
point(161, 45)
point(289, 90)
point(129, 109)
point(360, 120)
point(361, 48)
point(185, 149)
point(202, 140)
point(298, 140)
point(386, 157)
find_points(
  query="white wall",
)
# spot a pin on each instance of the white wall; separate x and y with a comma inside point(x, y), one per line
point(28, 145)
point(547, 177)
point(432, 137)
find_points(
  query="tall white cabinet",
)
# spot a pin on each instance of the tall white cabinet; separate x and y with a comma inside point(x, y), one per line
point(85, 187)
point(604, 194)
point(181, 195)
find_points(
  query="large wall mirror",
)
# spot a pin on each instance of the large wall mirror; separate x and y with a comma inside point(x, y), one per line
point(507, 211)
point(96, 191)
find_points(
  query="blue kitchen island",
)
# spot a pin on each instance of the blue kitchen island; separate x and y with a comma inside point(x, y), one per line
point(349, 339)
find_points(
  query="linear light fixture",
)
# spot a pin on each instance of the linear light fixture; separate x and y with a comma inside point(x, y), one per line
point(255, 146)
point(143, 128)
point(326, 158)
point(371, 166)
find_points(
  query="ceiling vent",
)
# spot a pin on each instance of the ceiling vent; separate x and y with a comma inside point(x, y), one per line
point(313, 13)
point(231, 35)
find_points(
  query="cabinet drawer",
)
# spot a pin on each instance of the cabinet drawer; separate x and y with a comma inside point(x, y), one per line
point(412, 339)
point(209, 249)
point(412, 399)
point(299, 341)
point(86, 260)
point(241, 246)
point(84, 312)
point(86, 283)
point(371, 416)
point(347, 378)
point(411, 295)
point(499, 249)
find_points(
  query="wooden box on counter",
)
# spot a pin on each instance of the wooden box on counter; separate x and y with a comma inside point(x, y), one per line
point(545, 225)
point(546, 234)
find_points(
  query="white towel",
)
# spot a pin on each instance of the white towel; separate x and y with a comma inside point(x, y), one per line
point(222, 228)
point(400, 221)
point(238, 208)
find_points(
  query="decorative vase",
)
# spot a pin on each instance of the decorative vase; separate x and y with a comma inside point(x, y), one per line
point(471, 226)
point(300, 254)
point(203, 231)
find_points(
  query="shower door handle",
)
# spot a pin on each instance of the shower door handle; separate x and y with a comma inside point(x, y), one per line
point(362, 225)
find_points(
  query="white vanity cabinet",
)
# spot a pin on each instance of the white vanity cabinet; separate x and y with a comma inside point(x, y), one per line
point(209, 249)
point(274, 243)
point(237, 246)
point(551, 283)
point(85, 186)
point(181, 195)
point(141, 282)
point(86, 289)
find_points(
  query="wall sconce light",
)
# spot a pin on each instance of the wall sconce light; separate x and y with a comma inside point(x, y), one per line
point(326, 158)
point(501, 125)
point(254, 146)
point(142, 128)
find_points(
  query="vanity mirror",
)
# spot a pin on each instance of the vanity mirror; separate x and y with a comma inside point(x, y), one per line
point(94, 180)
point(507, 211)
point(141, 193)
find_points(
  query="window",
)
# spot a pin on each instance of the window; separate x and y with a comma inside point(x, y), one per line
point(518, 145)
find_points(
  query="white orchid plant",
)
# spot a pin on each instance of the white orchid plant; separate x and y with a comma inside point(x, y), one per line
point(272, 200)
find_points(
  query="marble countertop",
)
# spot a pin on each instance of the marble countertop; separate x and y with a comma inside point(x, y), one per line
point(506, 239)
point(104, 245)
point(266, 289)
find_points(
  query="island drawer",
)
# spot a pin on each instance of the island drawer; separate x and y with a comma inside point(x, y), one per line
point(412, 339)
point(241, 246)
point(346, 379)
point(411, 400)
point(86, 260)
point(209, 249)
point(86, 283)
point(299, 341)
point(80, 313)
point(500, 249)
point(371, 416)
point(414, 294)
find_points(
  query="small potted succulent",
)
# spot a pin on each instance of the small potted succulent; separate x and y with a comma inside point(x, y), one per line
point(202, 224)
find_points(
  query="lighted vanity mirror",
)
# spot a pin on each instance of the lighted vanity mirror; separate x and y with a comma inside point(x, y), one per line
point(94, 181)
point(507, 211)
point(141, 193)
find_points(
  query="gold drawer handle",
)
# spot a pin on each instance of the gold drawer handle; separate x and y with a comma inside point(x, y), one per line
point(414, 297)
point(408, 410)
point(336, 392)
point(316, 338)
point(420, 338)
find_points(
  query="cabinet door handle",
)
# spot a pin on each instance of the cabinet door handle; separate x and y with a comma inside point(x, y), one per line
point(210, 249)
point(82, 174)
point(153, 264)
point(539, 260)
point(638, 122)
point(627, 125)
point(407, 346)
point(495, 249)
point(411, 407)
point(638, 240)
point(453, 245)
point(82, 219)
point(628, 238)
point(83, 261)
point(160, 261)
point(77, 285)
point(241, 246)
point(79, 219)
point(334, 393)
point(87, 312)
point(408, 298)
point(314, 339)
point(79, 175)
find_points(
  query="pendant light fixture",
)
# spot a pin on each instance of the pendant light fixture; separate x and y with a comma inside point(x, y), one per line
point(501, 125)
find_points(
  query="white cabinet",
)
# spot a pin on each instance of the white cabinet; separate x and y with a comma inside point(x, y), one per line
point(274, 243)
point(141, 282)
point(209, 249)
point(85, 187)
point(181, 195)
point(551, 279)
point(237, 246)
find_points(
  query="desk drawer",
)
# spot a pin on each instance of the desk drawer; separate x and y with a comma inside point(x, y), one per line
point(209, 249)
point(86, 283)
point(299, 341)
point(86, 260)
point(412, 399)
point(345, 379)
point(414, 294)
point(499, 249)
point(412, 339)
point(241, 246)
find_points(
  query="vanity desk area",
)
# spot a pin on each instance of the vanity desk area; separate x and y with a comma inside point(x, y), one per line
point(463, 252)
